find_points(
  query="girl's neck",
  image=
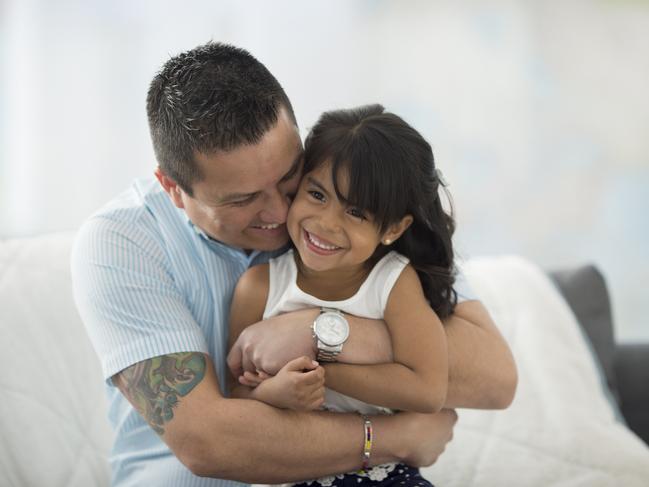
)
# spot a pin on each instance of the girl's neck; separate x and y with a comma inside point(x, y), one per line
point(333, 284)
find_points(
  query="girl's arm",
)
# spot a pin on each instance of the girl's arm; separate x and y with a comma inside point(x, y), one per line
point(299, 385)
point(247, 307)
point(418, 378)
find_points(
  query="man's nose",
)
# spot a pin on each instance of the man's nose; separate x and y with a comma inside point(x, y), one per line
point(275, 207)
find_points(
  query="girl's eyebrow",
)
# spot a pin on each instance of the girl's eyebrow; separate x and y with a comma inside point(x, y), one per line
point(317, 184)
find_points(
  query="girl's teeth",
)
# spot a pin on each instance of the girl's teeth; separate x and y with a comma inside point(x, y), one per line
point(269, 227)
point(320, 244)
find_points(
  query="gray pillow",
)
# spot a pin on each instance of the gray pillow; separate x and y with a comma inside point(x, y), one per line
point(585, 291)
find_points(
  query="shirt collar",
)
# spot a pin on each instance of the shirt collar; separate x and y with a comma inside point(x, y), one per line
point(215, 244)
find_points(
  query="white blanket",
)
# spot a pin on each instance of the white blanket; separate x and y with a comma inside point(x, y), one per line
point(560, 430)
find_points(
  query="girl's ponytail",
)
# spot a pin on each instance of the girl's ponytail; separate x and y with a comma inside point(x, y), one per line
point(428, 245)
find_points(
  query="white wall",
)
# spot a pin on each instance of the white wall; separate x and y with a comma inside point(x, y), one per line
point(538, 111)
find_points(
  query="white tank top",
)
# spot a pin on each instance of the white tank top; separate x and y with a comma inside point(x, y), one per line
point(370, 301)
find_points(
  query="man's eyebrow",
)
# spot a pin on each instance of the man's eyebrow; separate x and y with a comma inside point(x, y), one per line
point(243, 196)
point(236, 196)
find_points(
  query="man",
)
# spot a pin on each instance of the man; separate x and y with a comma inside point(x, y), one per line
point(153, 275)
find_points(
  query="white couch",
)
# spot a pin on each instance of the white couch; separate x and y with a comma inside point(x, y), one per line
point(561, 430)
point(53, 423)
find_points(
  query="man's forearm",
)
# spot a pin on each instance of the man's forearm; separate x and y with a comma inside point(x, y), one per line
point(482, 371)
point(271, 344)
point(178, 395)
point(368, 343)
point(285, 445)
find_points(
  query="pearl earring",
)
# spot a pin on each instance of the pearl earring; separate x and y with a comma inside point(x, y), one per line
point(387, 241)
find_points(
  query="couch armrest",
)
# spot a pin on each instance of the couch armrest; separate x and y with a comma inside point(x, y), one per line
point(632, 374)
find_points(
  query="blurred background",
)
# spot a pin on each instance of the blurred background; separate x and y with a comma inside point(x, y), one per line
point(538, 111)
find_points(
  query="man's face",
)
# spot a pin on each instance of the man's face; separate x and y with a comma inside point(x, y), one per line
point(243, 197)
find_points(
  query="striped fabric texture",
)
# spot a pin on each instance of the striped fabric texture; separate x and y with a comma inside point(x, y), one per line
point(148, 283)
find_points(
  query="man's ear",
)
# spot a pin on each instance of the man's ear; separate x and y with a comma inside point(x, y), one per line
point(171, 188)
point(396, 230)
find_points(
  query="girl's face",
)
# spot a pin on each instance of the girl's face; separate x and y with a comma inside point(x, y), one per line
point(327, 232)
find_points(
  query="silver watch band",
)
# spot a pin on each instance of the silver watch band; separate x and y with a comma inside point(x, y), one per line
point(326, 353)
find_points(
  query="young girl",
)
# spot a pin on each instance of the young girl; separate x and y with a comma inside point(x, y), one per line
point(371, 239)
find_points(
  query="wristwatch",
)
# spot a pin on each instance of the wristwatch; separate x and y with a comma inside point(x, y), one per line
point(330, 331)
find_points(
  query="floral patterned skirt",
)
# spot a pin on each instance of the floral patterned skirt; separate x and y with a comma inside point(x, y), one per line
point(387, 475)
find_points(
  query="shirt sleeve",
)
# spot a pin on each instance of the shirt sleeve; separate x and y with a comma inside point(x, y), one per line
point(127, 298)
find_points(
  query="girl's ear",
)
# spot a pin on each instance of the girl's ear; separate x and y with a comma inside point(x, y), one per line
point(396, 230)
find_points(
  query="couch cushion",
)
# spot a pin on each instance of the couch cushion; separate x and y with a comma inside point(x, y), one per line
point(560, 429)
point(585, 291)
point(53, 408)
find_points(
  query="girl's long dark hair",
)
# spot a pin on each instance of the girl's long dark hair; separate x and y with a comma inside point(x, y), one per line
point(391, 174)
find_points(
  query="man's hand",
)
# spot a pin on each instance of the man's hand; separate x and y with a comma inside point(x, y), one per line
point(268, 345)
point(427, 435)
point(299, 386)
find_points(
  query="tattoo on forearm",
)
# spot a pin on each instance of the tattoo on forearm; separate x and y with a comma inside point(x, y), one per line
point(154, 386)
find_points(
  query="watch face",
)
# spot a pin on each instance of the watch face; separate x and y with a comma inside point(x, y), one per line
point(331, 328)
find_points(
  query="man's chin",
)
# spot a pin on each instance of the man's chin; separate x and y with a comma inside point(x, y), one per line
point(268, 240)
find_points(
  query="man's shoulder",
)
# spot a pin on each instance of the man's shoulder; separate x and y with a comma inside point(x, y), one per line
point(143, 200)
point(136, 218)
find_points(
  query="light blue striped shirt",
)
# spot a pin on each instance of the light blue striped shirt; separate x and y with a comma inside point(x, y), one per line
point(148, 283)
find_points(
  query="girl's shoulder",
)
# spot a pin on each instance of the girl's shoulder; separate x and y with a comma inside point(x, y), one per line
point(385, 274)
point(285, 259)
point(254, 280)
point(392, 261)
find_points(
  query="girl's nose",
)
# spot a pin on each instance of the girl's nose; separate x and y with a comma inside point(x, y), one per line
point(329, 222)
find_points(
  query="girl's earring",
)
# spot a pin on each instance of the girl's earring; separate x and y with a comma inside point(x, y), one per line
point(387, 241)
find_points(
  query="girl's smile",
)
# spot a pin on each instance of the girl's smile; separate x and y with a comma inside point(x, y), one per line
point(328, 233)
point(319, 245)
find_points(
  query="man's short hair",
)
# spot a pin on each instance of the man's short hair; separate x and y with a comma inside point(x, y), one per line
point(215, 97)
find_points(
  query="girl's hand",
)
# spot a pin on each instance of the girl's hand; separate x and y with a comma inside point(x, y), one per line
point(253, 379)
point(299, 385)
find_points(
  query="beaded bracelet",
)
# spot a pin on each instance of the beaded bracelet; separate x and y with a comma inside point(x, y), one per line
point(367, 443)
